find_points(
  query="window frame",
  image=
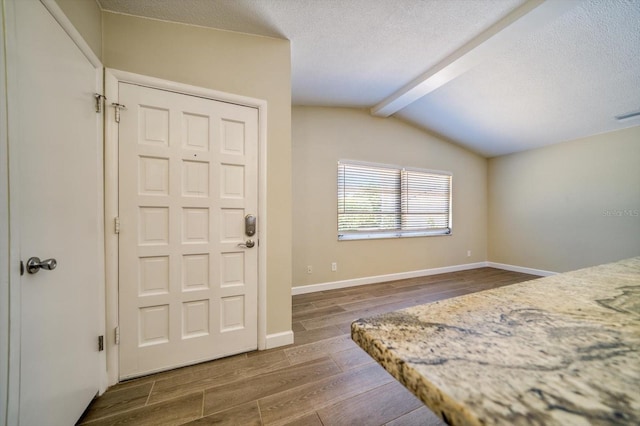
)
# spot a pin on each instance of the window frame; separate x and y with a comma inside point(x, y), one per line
point(397, 232)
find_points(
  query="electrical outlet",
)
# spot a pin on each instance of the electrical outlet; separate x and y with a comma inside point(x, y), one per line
point(334, 266)
point(309, 269)
point(468, 253)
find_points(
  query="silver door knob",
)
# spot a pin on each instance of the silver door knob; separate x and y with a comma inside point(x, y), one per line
point(34, 264)
point(247, 244)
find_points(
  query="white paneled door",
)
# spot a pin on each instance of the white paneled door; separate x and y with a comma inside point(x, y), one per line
point(188, 268)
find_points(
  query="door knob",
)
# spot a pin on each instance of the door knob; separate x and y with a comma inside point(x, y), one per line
point(34, 264)
point(247, 244)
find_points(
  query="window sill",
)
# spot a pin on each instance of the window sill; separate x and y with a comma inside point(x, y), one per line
point(386, 235)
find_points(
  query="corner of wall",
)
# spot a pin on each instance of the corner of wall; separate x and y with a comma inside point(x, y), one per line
point(324, 135)
point(86, 17)
point(566, 206)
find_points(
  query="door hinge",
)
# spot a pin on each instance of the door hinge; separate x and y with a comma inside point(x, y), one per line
point(118, 107)
point(100, 343)
point(116, 225)
point(99, 101)
point(117, 335)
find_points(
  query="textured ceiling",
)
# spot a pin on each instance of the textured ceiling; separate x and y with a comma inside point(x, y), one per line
point(565, 79)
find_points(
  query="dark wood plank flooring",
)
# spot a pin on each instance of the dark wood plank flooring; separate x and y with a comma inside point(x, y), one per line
point(322, 379)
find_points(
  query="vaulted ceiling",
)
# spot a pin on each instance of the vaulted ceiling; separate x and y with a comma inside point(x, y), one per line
point(494, 76)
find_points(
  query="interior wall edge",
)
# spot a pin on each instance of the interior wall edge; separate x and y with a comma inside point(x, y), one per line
point(324, 135)
point(566, 206)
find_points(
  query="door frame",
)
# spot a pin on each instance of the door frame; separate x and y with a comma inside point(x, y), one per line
point(112, 78)
point(10, 251)
point(5, 241)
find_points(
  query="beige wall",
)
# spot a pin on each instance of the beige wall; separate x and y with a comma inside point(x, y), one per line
point(86, 16)
point(567, 206)
point(242, 64)
point(321, 137)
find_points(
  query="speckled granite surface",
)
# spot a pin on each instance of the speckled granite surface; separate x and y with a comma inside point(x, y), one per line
point(561, 350)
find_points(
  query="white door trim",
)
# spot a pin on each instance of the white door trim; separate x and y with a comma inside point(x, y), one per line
point(4, 234)
point(112, 78)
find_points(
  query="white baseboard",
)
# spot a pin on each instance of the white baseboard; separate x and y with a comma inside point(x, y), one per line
point(522, 269)
point(382, 278)
point(413, 274)
point(279, 339)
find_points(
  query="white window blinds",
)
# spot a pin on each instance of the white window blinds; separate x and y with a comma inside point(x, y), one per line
point(380, 201)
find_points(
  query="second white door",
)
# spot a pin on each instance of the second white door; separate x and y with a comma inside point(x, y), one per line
point(188, 278)
point(55, 182)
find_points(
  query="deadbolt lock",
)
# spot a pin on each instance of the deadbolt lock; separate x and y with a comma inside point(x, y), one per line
point(250, 225)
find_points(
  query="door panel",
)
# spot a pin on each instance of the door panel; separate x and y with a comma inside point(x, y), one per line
point(58, 162)
point(187, 178)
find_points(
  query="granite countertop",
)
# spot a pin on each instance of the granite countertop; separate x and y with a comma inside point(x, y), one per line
point(561, 350)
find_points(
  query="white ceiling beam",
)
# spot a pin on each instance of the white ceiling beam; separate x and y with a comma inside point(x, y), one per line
point(527, 18)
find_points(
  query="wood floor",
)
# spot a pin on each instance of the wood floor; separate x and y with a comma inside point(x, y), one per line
point(322, 379)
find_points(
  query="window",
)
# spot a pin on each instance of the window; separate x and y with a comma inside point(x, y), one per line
point(381, 201)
